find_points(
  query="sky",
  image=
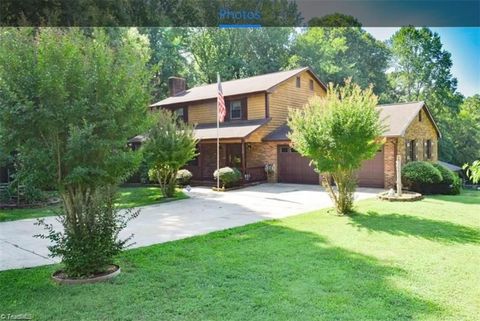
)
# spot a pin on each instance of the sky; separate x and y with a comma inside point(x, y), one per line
point(464, 45)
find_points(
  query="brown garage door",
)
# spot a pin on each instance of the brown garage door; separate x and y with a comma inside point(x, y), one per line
point(293, 168)
point(371, 174)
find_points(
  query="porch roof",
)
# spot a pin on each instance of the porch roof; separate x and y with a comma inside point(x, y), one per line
point(228, 130)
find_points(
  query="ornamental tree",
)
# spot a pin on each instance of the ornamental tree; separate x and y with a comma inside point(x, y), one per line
point(169, 147)
point(69, 101)
point(337, 132)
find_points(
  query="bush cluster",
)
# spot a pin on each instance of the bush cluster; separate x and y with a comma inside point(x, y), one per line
point(428, 178)
point(228, 176)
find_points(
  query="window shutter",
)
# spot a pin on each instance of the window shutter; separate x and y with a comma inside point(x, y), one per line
point(407, 151)
point(227, 110)
point(415, 150)
point(244, 109)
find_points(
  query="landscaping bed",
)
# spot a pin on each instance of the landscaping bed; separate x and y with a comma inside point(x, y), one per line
point(389, 261)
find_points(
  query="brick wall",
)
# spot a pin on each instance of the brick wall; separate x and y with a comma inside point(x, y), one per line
point(259, 154)
point(389, 162)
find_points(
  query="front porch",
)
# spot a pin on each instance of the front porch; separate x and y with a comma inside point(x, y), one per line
point(233, 153)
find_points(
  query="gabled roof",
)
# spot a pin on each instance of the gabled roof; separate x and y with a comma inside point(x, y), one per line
point(395, 117)
point(261, 83)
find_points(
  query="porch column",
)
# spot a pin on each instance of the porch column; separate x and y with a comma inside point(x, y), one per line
point(244, 159)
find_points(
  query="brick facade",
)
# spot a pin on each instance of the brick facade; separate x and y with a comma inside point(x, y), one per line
point(389, 154)
point(260, 154)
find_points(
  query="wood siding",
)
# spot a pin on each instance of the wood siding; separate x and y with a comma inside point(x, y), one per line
point(287, 95)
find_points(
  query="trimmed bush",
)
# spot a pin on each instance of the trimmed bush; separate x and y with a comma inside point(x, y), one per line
point(419, 172)
point(421, 177)
point(228, 176)
point(447, 175)
point(183, 177)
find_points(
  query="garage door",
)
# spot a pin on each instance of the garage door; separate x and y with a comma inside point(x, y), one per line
point(371, 174)
point(293, 168)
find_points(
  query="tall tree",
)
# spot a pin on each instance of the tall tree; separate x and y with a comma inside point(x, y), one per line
point(237, 53)
point(421, 69)
point(169, 57)
point(341, 49)
point(68, 104)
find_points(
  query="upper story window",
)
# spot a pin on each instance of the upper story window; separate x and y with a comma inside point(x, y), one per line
point(298, 82)
point(236, 109)
point(181, 113)
point(311, 84)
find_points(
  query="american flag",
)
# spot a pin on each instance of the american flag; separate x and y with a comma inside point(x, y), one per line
point(220, 102)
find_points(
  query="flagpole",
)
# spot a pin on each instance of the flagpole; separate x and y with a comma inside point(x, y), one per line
point(218, 142)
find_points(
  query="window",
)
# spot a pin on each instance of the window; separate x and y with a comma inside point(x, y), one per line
point(284, 150)
point(311, 84)
point(181, 113)
point(236, 109)
point(420, 115)
point(298, 82)
point(428, 147)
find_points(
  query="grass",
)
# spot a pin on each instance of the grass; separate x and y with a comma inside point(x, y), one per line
point(128, 197)
point(389, 261)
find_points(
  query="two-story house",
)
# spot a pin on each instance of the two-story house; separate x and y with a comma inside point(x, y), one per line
point(254, 132)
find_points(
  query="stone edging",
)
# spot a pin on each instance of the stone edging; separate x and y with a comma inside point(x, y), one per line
point(95, 279)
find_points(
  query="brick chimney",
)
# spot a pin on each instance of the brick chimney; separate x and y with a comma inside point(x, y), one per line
point(176, 85)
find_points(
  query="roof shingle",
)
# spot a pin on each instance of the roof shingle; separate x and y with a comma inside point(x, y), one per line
point(233, 87)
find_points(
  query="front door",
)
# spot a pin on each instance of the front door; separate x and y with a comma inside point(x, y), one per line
point(234, 155)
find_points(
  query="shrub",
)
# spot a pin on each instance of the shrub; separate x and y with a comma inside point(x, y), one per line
point(456, 186)
point(228, 176)
point(419, 172)
point(447, 175)
point(87, 246)
point(170, 145)
point(183, 177)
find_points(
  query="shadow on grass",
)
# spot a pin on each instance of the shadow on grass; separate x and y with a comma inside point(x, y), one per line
point(398, 224)
point(259, 272)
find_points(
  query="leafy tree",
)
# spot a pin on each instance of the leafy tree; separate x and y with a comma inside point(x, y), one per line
point(337, 53)
point(337, 132)
point(169, 58)
point(68, 104)
point(170, 145)
point(473, 171)
point(463, 132)
point(238, 53)
point(421, 69)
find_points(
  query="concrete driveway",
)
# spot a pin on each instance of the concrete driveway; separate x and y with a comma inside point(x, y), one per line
point(205, 211)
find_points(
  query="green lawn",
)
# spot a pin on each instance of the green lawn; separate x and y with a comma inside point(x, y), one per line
point(128, 197)
point(390, 261)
